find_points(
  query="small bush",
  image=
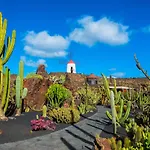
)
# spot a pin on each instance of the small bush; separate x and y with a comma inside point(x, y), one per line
point(34, 75)
point(57, 94)
point(88, 96)
point(55, 79)
point(65, 115)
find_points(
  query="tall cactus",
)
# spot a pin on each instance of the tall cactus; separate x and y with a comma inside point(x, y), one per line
point(21, 92)
point(117, 95)
point(5, 95)
point(112, 102)
point(5, 53)
point(120, 116)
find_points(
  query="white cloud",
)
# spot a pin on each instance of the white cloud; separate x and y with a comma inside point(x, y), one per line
point(44, 45)
point(112, 69)
point(103, 30)
point(31, 63)
point(118, 74)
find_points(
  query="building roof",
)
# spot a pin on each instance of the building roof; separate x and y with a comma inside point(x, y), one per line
point(71, 62)
point(92, 76)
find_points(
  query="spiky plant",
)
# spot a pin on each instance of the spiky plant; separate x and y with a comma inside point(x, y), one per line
point(5, 53)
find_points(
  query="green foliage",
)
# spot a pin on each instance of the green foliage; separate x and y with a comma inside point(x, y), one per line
point(117, 95)
point(57, 94)
point(5, 53)
point(131, 125)
point(140, 68)
point(21, 92)
point(18, 91)
point(112, 102)
point(83, 108)
point(138, 134)
point(127, 142)
point(44, 110)
point(34, 75)
point(121, 117)
point(6, 93)
point(143, 116)
point(65, 115)
point(106, 86)
point(59, 80)
point(88, 96)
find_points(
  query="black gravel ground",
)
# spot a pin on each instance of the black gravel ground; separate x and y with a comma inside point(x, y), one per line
point(20, 129)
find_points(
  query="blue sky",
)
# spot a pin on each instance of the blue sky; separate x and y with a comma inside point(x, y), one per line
point(102, 35)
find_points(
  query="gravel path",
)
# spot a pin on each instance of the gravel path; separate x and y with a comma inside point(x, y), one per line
point(77, 137)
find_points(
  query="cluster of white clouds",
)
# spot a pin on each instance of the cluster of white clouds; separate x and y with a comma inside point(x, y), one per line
point(44, 45)
point(102, 31)
point(90, 32)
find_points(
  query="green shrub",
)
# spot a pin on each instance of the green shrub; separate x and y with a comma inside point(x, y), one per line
point(34, 75)
point(64, 115)
point(88, 96)
point(83, 108)
point(55, 79)
point(57, 94)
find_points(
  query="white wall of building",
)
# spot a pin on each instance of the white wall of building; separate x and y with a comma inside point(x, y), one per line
point(69, 65)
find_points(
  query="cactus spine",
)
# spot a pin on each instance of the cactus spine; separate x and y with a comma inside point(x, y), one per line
point(5, 53)
point(21, 92)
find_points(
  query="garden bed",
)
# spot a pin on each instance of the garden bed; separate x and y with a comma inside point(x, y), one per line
point(20, 129)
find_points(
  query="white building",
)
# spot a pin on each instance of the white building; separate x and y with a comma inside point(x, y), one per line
point(71, 67)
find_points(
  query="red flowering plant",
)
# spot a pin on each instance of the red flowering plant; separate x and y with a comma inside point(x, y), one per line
point(42, 124)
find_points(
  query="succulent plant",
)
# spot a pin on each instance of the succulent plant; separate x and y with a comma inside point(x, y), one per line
point(57, 94)
point(120, 116)
point(64, 115)
point(42, 124)
point(44, 109)
point(5, 53)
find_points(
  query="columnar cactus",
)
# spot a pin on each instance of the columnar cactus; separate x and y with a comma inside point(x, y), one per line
point(112, 102)
point(44, 111)
point(120, 118)
point(5, 96)
point(106, 86)
point(21, 92)
point(117, 95)
point(5, 53)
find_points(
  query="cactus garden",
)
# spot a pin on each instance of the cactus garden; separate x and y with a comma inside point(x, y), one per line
point(43, 103)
